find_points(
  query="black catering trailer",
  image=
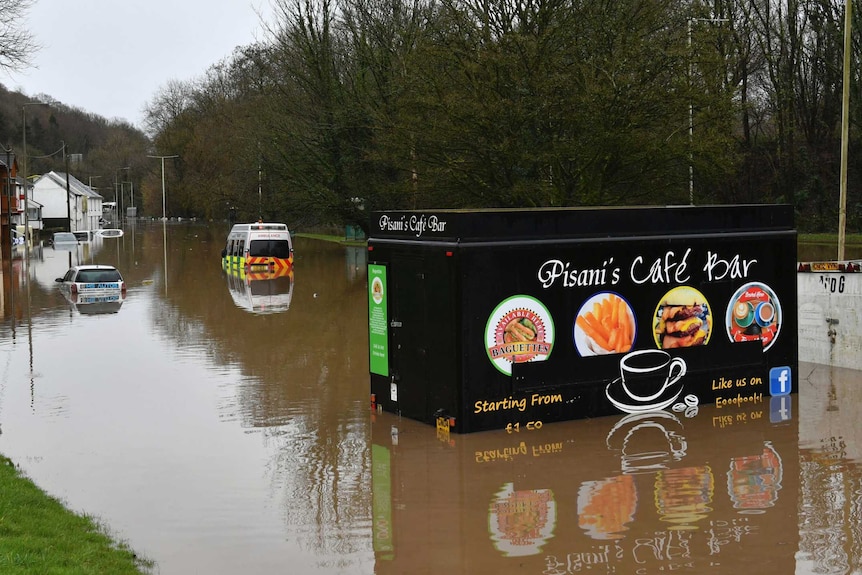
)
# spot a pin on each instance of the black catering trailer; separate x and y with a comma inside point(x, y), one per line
point(512, 319)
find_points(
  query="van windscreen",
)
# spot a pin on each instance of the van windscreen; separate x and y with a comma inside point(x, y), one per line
point(269, 248)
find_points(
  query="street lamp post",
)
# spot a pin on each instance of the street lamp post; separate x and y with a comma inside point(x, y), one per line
point(691, 108)
point(120, 184)
point(163, 158)
point(845, 130)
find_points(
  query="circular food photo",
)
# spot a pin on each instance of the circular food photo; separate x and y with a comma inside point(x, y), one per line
point(605, 324)
point(377, 290)
point(754, 312)
point(519, 329)
point(682, 319)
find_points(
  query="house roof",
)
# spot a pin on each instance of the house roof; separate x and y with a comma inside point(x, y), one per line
point(12, 159)
point(76, 186)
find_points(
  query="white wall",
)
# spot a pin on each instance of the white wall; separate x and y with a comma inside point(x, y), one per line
point(830, 318)
point(52, 198)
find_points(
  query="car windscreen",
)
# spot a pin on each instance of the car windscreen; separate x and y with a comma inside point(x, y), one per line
point(98, 276)
point(65, 237)
point(269, 248)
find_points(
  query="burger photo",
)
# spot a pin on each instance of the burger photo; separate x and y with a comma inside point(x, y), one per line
point(682, 319)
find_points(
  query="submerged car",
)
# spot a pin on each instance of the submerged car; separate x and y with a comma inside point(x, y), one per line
point(63, 239)
point(88, 284)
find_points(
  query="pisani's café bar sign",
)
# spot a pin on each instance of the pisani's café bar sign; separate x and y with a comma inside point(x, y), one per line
point(502, 319)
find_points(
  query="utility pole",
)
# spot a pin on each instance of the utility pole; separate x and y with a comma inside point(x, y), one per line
point(162, 158)
point(845, 131)
point(68, 190)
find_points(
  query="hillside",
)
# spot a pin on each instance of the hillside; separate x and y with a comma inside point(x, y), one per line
point(99, 151)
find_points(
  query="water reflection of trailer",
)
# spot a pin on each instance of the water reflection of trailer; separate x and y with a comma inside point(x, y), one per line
point(262, 293)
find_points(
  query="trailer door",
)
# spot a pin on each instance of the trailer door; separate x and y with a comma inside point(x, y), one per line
point(409, 329)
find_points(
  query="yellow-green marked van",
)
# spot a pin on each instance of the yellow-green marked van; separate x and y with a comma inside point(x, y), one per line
point(259, 248)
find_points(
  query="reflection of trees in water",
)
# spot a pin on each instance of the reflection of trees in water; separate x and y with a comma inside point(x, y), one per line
point(304, 379)
point(830, 510)
point(324, 482)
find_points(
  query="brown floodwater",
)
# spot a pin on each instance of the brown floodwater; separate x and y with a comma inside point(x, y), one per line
point(220, 429)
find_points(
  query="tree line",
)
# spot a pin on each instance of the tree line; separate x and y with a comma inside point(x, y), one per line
point(60, 137)
point(354, 105)
point(348, 106)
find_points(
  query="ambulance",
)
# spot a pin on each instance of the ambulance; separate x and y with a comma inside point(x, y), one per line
point(258, 251)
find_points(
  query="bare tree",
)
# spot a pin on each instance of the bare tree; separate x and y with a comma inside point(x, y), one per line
point(17, 45)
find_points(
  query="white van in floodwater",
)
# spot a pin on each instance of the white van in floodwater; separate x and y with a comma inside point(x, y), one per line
point(259, 248)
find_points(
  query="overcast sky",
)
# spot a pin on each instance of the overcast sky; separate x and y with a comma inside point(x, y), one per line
point(110, 57)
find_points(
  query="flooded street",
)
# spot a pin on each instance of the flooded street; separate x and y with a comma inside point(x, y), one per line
point(224, 430)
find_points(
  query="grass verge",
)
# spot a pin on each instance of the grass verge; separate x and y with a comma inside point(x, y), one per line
point(38, 535)
point(829, 239)
point(331, 238)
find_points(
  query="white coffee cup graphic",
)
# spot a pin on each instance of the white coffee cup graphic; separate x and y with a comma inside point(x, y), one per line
point(647, 373)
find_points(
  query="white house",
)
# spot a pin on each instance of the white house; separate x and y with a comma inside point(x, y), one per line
point(80, 209)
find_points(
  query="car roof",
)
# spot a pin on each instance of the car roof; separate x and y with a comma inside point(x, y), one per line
point(94, 267)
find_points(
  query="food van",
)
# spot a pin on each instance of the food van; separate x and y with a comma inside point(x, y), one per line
point(258, 248)
point(510, 319)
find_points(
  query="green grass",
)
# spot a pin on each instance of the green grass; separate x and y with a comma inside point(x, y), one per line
point(830, 239)
point(38, 535)
point(331, 238)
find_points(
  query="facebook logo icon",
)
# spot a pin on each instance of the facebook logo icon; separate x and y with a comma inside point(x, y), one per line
point(779, 381)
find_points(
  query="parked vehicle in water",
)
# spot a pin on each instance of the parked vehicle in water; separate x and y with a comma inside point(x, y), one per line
point(83, 235)
point(258, 247)
point(93, 283)
point(64, 239)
